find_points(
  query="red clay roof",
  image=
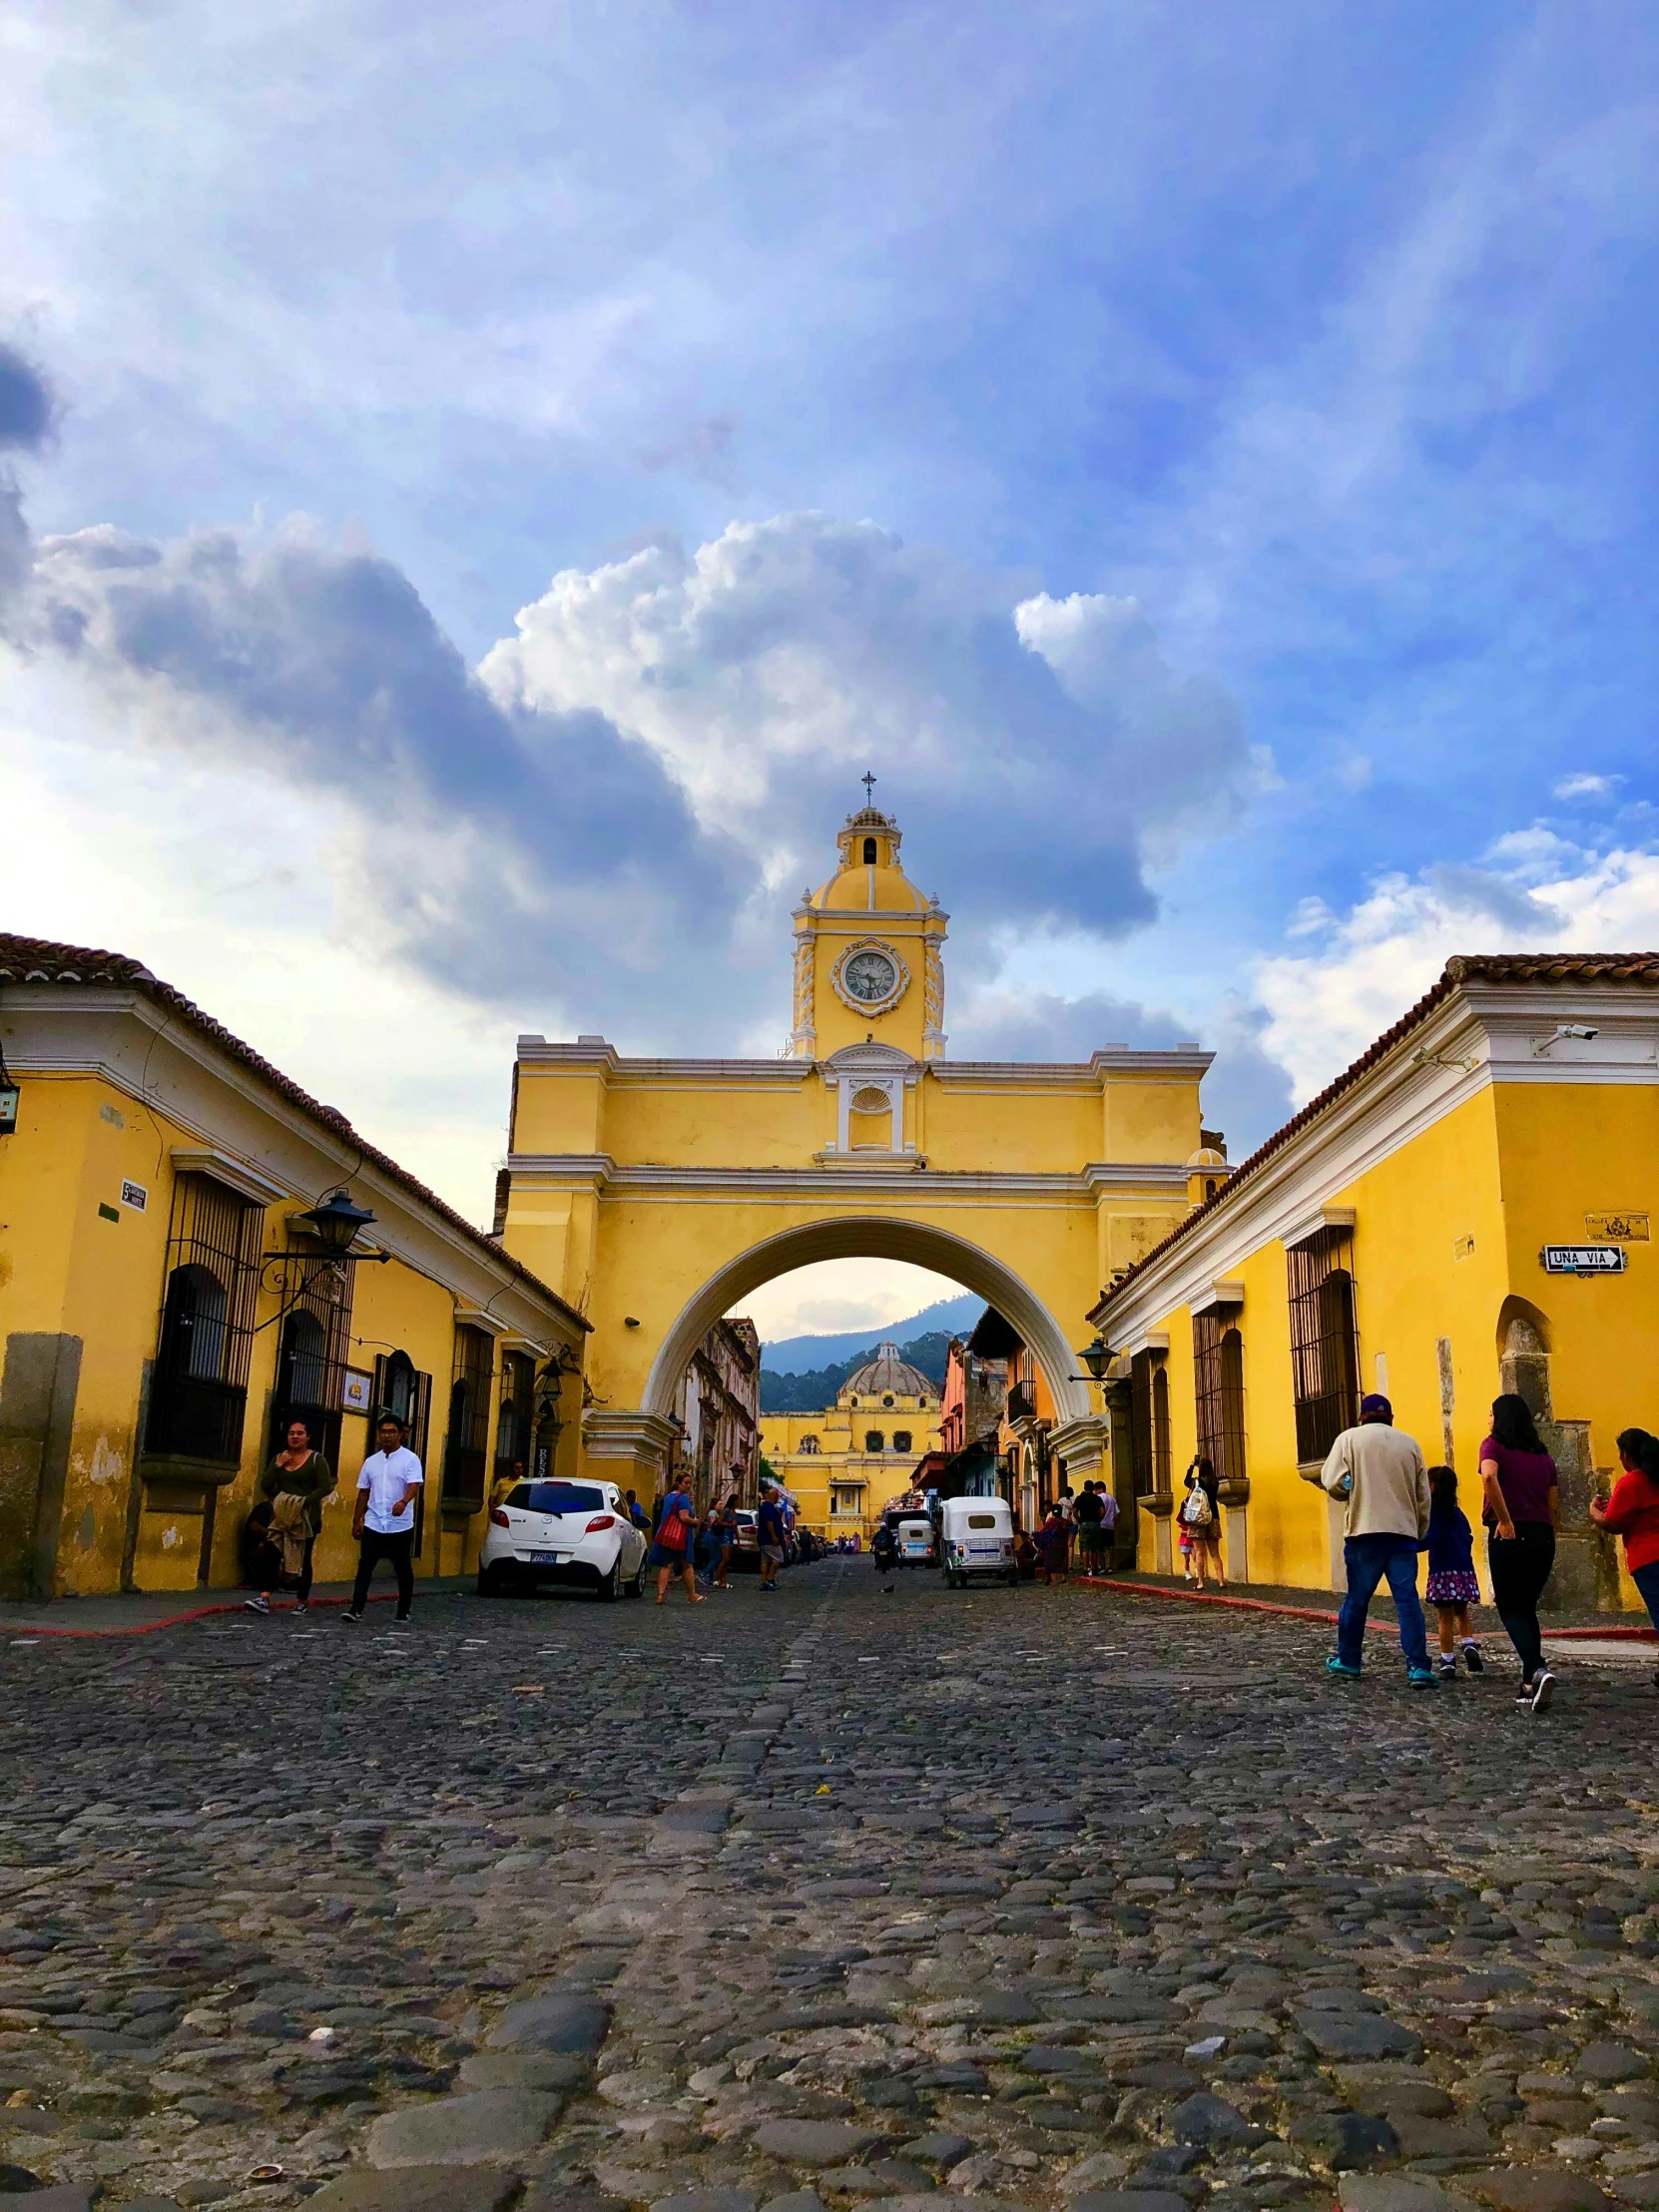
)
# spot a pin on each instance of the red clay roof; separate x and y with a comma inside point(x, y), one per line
point(25, 960)
point(1473, 967)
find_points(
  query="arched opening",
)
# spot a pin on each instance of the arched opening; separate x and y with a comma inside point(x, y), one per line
point(872, 1237)
point(870, 851)
point(193, 1329)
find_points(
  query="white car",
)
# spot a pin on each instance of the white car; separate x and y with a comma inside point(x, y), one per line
point(572, 1532)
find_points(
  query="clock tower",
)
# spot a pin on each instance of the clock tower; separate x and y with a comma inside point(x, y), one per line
point(868, 952)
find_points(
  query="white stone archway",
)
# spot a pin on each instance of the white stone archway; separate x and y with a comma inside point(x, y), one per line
point(873, 1236)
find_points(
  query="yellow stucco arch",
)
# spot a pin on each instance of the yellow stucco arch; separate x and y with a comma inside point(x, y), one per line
point(871, 1237)
point(654, 1193)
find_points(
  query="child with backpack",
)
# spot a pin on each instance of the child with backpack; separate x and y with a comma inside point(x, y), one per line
point(1452, 1587)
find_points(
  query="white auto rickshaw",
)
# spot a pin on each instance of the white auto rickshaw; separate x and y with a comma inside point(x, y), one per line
point(977, 1534)
point(916, 1541)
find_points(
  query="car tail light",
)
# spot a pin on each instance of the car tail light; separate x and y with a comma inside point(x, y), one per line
point(498, 1514)
point(598, 1521)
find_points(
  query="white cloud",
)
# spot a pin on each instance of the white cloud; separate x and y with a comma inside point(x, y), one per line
point(1323, 1008)
point(835, 1295)
point(1587, 786)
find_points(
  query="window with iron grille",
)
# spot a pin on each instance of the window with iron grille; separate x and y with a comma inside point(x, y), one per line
point(1325, 1341)
point(313, 1348)
point(467, 1437)
point(199, 1391)
point(1140, 1423)
point(512, 1430)
point(1218, 1372)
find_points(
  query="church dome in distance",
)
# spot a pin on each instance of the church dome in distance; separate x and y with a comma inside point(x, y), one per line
point(887, 1375)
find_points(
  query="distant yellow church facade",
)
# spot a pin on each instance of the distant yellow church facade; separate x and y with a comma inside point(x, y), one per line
point(847, 1464)
point(656, 1194)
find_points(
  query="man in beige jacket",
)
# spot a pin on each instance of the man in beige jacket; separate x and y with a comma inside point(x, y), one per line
point(1379, 1471)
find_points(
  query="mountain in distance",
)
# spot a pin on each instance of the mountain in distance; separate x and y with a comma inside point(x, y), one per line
point(806, 1386)
point(795, 1355)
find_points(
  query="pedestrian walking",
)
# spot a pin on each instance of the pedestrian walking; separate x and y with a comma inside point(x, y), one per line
point(383, 1519)
point(1378, 1469)
point(1054, 1545)
point(769, 1528)
point(1632, 1512)
point(672, 1545)
point(706, 1545)
point(1452, 1587)
point(1522, 1502)
point(1200, 1518)
point(728, 1538)
point(299, 1473)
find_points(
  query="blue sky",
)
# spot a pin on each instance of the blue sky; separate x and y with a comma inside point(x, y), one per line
point(511, 471)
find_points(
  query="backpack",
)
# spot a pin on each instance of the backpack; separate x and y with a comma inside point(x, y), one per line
point(1197, 1512)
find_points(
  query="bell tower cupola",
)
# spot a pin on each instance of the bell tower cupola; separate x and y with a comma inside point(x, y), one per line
point(869, 949)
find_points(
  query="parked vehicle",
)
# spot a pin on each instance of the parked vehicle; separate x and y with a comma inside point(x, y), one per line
point(917, 1545)
point(977, 1538)
point(575, 1533)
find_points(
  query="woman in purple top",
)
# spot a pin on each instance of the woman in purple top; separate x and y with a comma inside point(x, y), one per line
point(1522, 1498)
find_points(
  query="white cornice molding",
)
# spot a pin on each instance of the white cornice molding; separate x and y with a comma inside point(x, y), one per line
point(236, 1175)
point(1482, 1034)
point(167, 1065)
point(598, 1171)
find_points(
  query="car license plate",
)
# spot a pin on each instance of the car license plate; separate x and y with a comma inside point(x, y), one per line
point(986, 1551)
point(547, 1558)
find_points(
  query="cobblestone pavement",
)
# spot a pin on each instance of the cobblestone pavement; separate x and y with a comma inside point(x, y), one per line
point(836, 1897)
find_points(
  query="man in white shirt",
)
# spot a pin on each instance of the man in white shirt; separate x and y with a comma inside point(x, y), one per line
point(384, 1522)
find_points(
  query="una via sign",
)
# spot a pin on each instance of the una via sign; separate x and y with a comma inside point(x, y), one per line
point(1585, 1259)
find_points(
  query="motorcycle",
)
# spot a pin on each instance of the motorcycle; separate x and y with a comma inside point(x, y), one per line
point(884, 1550)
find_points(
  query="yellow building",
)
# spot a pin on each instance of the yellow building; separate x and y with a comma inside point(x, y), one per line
point(168, 1299)
point(657, 1194)
point(847, 1464)
point(1466, 1210)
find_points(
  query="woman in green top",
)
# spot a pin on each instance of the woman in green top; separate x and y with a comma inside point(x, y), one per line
point(298, 1471)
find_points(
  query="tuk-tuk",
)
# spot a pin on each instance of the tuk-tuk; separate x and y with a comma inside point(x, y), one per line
point(917, 1546)
point(977, 1534)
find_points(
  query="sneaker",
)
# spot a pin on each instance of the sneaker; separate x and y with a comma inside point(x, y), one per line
point(1337, 1665)
point(349, 1615)
point(1422, 1678)
point(401, 1617)
point(1472, 1659)
point(1448, 1670)
point(1526, 1693)
point(260, 1604)
point(1544, 1691)
point(301, 1608)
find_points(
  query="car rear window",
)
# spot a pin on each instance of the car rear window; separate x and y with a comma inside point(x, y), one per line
point(981, 1520)
point(557, 1497)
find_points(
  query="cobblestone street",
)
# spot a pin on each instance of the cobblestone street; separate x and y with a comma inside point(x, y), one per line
point(1038, 1896)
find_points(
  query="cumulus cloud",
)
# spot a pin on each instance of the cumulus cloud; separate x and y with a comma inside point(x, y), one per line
point(511, 852)
point(1587, 786)
point(638, 782)
point(1043, 749)
point(1323, 1008)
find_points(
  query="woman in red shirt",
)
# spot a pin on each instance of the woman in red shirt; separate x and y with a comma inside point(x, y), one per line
point(1633, 1513)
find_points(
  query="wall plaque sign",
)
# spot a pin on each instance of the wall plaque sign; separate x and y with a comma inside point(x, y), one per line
point(1584, 1258)
point(1621, 1227)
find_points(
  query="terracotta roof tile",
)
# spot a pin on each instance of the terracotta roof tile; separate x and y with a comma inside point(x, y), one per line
point(25, 960)
point(1473, 967)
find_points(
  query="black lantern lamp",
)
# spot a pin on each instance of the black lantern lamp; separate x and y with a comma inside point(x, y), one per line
point(1097, 1357)
point(336, 1222)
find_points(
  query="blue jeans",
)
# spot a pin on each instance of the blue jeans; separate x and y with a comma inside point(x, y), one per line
point(1367, 1560)
point(1646, 1581)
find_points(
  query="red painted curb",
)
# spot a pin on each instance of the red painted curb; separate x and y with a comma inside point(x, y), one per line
point(1315, 1613)
point(177, 1620)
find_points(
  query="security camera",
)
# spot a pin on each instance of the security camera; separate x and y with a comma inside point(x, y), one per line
point(1575, 1030)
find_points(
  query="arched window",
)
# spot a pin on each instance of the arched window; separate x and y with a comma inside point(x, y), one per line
point(875, 1441)
point(869, 853)
point(194, 1327)
point(902, 1439)
point(808, 1445)
point(469, 1418)
point(303, 1361)
point(397, 1388)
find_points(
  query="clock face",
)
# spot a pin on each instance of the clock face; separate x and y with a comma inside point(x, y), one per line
point(870, 977)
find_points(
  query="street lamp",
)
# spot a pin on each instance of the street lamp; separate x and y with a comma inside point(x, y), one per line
point(1097, 1357)
point(336, 1222)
